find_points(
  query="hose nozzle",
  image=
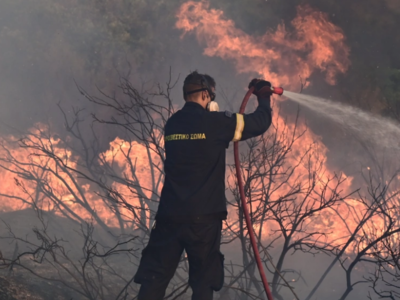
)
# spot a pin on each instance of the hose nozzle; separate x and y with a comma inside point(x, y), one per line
point(277, 90)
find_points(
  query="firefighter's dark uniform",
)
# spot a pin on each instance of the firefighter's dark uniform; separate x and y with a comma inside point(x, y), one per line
point(193, 203)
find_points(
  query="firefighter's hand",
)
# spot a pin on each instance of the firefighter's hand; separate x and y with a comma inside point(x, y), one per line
point(261, 87)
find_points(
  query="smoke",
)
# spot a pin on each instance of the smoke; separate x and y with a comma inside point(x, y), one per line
point(48, 45)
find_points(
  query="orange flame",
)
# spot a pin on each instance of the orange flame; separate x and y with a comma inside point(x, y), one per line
point(280, 57)
point(46, 176)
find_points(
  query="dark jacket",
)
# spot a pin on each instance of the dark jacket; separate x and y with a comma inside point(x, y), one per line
point(195, 146)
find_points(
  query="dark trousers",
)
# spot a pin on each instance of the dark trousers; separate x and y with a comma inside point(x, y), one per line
point(160, 258)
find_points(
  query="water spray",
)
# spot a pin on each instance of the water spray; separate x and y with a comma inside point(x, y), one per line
point(378, 131)
point(278, 91)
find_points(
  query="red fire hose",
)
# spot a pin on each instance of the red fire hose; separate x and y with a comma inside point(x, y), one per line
point(250, 229)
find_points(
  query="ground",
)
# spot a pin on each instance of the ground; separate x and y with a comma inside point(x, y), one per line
point(19, 288)
point(11, 290)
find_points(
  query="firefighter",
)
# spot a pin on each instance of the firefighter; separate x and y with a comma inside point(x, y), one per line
point(193, 204)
